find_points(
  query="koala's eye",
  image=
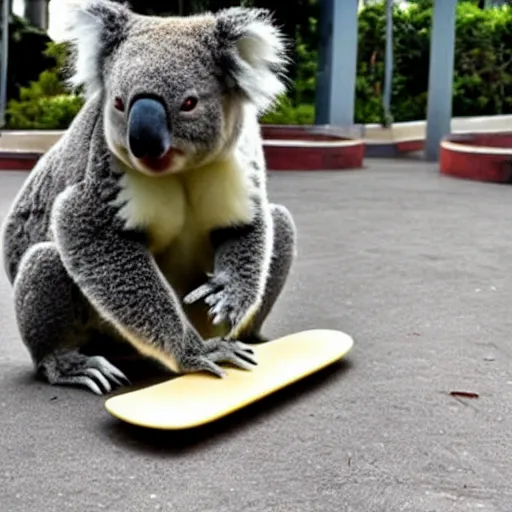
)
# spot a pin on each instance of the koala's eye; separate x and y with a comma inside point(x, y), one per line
point(189, 104)
point(119, 104)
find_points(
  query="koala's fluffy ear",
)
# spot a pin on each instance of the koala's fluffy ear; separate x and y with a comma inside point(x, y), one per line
point(96, 28)
point(252, 51)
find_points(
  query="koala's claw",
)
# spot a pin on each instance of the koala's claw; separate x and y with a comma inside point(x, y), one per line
point(219, 351)
point(75, 369)
point(206, 290)
point(110, 371)
point(224, 308)
point(225, 302)
point(241, 357)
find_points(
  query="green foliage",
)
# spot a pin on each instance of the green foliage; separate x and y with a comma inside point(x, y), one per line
point(307, 57)
point(45, 113)
point(411, 47)
point(26, 55)
point(484, 79)
point(45, 103)
point(482, 74)
point(482, 83)
point(285, 112)
point(482, 67)
point(297, 107)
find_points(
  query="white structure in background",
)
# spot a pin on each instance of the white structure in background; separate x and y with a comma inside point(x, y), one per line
point(55, 21)
point(399, 3)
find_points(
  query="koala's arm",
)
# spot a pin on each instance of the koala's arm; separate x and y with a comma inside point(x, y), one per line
point(241, 265)
point(117, 274)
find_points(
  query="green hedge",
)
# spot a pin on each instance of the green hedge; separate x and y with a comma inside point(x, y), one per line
point(26, 45)
point(482, 83)
point(482, 69)
point(482, 74)
point(46, 104)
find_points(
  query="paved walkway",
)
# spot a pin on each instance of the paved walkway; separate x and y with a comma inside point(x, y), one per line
point(417, 268)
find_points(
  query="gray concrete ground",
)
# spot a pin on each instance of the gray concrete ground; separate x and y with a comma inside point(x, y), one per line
point(417, 268)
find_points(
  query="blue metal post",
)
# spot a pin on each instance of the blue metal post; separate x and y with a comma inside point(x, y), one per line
point(336, 95)
point(440, 86)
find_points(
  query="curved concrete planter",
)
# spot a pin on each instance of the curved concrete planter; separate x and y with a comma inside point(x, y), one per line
point(304, 148)
point(300, 148)
point(18, 160)
point(477, 156)
point(292, 147)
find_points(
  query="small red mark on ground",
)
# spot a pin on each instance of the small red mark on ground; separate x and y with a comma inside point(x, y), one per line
point(464, 394)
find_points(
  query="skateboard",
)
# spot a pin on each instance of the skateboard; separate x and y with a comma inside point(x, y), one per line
point(195, 399)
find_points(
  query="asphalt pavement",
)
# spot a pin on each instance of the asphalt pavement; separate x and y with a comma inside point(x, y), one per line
point(417, 268)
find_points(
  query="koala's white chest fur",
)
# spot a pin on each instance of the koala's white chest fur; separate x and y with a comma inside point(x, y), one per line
point(178, 211)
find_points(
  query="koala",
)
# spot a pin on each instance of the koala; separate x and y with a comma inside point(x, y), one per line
point(149, 221)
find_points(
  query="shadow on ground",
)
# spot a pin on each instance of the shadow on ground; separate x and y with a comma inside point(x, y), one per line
point(164, 443)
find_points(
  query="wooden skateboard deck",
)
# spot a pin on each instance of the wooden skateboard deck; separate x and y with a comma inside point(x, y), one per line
point(194, 399)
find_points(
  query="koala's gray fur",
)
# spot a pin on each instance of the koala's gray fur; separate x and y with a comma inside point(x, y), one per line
point(149, 219)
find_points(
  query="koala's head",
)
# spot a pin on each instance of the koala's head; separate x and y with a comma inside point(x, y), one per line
point(175, 88)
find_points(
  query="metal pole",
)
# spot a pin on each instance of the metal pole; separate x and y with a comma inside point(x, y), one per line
point(440, 86)
point(388, 77)
point(4, 58)
point(36, 13)
point(343, 63)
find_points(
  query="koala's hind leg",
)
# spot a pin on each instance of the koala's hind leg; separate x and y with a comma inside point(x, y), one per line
point(283, 253)
point(50, 314)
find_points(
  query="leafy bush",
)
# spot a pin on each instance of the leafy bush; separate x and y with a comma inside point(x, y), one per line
point(482, 82)
point(307, 64)
point(45, 104)
point(44, 113)
point(482, 75)
point(26, 45)
point(286, 113)
point(297, 107)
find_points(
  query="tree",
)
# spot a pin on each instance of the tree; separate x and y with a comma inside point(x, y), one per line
point(26, 43)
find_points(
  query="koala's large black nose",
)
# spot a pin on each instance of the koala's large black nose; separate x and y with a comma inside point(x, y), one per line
point(148, 130)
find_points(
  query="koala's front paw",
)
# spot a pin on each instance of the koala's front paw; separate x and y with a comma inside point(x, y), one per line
point(229, 300)
point(218, 350)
